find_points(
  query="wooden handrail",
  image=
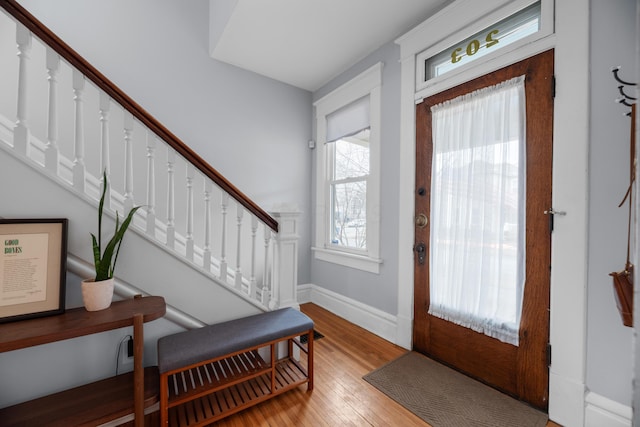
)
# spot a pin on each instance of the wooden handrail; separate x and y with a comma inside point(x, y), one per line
point(72, 57)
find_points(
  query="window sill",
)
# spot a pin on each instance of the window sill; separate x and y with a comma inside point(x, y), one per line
point(359, 262)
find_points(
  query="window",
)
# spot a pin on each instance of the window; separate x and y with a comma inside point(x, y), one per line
point(348, 188)
point(348, 177)
point(508, 31)
point(496, 35)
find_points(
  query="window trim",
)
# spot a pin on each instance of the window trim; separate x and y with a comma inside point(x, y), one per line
point(367, 83)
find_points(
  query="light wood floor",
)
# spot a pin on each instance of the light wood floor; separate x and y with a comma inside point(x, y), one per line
point(340, 396)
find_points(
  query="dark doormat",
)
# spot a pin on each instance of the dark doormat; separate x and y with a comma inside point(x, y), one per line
point(444, 397)
point(316, 336)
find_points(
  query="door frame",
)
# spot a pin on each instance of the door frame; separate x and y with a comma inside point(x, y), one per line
point(570, 192)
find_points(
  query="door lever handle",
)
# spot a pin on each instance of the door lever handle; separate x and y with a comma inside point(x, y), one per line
point(552, 213)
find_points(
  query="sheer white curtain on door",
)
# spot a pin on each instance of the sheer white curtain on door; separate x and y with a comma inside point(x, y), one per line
point(477, 246)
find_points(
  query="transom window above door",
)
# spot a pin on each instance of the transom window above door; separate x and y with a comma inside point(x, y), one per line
point(497, 36)
point(489, 37)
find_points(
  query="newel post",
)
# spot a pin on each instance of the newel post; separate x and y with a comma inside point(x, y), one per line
point(285, 262)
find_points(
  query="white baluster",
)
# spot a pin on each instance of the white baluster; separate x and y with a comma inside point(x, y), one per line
point(105, 156)
point(252, 279)
point(151, 184)
point(206, 254)
point(189, 242)
point(128, 162)
point(265, 294)
point(78, 163)
point(21, 129)
point(171, 229)
point(223, 250)
point(51, 151)
point(239, 215)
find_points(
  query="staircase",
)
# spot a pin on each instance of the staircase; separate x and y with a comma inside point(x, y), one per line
point(198, 240)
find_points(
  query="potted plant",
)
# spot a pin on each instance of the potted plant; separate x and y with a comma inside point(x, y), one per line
point(97, 293)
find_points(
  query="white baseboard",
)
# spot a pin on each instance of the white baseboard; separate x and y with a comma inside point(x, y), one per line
point(373, 320)
point(603, 412)
point(304, 293)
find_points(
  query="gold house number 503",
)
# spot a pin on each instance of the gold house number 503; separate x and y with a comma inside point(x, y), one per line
point(474, 46)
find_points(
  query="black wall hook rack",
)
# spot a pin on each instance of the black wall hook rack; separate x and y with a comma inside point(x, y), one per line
point(618, 79)
point(625, 99)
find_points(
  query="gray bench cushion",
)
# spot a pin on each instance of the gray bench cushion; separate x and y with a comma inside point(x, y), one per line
point(197, 345)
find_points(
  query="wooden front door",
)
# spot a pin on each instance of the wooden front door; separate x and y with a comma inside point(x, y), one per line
point(521, 371)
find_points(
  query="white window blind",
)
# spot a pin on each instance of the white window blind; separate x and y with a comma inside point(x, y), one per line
point(348, 120)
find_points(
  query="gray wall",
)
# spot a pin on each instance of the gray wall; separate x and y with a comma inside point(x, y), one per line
point(609, 343)
point(41, 370)
point(376, 290)
point(252, 129)
point(224, 113)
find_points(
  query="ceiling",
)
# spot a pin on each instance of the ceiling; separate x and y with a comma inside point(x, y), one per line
point(306, 43)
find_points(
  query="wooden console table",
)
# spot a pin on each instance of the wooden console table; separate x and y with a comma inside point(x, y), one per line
point(98, 402)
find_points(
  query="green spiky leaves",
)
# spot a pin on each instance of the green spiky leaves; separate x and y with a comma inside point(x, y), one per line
point(105, 261)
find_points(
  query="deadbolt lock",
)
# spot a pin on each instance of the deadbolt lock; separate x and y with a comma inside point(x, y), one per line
point(421, 251)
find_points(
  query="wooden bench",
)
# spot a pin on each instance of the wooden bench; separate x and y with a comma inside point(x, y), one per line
point(209, 373)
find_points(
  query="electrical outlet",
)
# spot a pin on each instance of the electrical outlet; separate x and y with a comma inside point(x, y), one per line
point(126, 355)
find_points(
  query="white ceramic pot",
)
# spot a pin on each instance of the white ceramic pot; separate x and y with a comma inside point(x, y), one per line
point(97, 295)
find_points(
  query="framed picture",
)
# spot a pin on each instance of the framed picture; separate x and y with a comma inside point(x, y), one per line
point(33, 268)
